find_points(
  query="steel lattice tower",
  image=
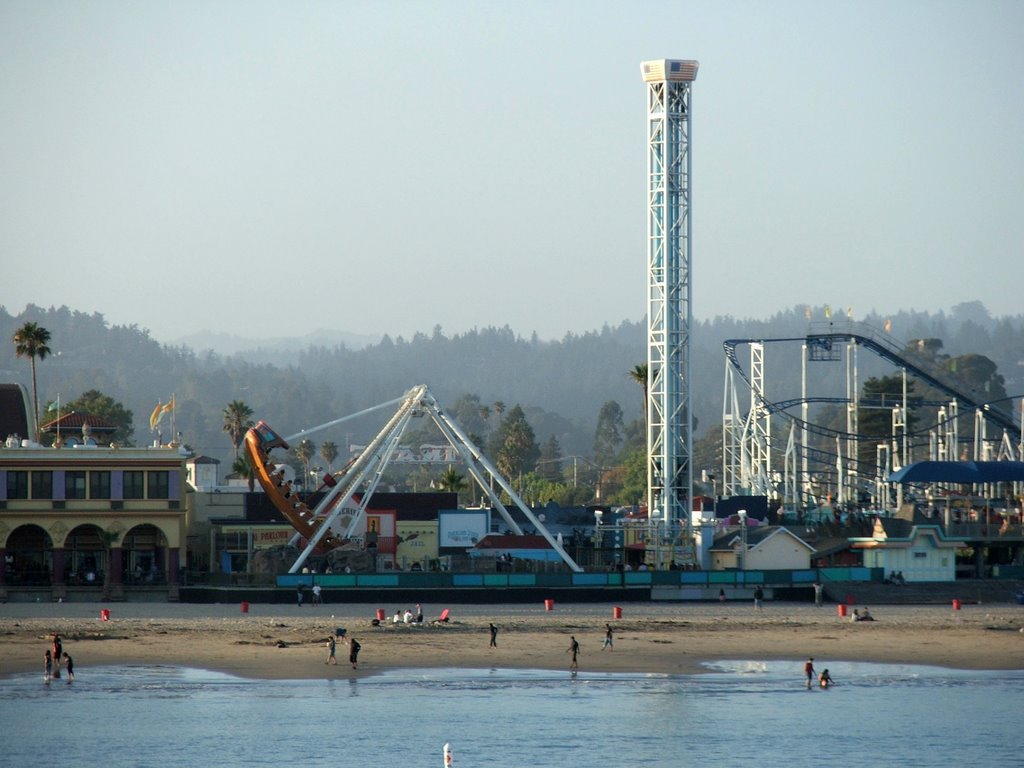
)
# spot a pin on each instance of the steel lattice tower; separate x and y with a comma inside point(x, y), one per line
point(669, 292)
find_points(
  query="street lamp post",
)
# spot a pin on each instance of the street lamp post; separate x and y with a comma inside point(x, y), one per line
point(743, 539)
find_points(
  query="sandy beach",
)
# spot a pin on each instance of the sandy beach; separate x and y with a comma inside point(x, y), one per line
point(289, 642)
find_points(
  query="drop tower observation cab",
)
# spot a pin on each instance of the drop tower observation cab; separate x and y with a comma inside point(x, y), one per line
point(669, 292)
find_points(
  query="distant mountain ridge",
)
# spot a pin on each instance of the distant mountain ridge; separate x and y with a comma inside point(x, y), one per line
point(230, 344)
point(298, 383)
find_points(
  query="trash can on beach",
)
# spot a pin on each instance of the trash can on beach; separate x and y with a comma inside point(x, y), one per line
point(841, 610)
point(104, 614)
point(245, 606)
point(617, 612)
point(549, 605)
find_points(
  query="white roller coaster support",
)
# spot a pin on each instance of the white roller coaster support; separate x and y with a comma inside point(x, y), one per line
point(883, 468)
point(840, 488)
point(757, 430)
point(849, 478)
point(805, 473)
point(790, 485)
point(732, 436)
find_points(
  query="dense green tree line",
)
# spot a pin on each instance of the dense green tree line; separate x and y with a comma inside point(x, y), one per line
point(567, 391)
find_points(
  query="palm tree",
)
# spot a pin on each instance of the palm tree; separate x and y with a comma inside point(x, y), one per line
point(237, 421)
point(499, 408)
point(243, 468)
point(31, 341)
point(305, 451)
point(639, 375)
point(329, 453)
point(452, 481)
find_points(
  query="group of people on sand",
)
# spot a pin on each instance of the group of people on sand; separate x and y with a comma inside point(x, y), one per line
point(408, 617)
point(824, 678)
point(861, 614)
point(54, 657)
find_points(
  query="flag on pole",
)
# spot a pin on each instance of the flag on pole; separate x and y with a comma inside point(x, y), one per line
point(154, 418)
point(888, 326)
point(169, 407)
point(828, 312)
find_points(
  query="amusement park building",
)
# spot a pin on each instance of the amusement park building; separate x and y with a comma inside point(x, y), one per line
point(84, 521)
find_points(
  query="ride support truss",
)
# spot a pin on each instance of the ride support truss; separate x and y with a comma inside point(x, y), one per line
point(321, 527)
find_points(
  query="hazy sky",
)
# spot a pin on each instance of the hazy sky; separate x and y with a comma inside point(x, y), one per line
point(270, 168)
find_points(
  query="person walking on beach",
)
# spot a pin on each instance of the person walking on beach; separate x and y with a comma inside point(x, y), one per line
point(819, 592)
point(300, 592)
point(608, 638)
point(759, 599)
point(353, 651)
point(57, 651)
point(574, 649)
point(316, 595)
point(69, 665)
point(494, 635)
point(331, 646)
point(47, 667)
point(809, 672)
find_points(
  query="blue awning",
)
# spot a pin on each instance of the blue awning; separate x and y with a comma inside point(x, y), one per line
point(966, 472)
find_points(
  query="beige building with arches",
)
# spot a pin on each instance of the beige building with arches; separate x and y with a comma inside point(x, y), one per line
point(87, 522)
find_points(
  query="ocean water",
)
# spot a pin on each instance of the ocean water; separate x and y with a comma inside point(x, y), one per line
point(737, 714)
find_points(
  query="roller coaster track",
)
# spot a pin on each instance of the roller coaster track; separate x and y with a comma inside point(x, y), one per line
point(884, 347)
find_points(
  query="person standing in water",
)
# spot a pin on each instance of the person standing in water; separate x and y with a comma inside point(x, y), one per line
point(809, 671)
point(58, 650)
point(47, 667)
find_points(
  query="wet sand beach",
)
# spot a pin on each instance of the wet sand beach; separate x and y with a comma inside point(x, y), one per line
point(289, 642)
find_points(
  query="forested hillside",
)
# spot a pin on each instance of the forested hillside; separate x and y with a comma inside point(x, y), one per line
point(561, 385)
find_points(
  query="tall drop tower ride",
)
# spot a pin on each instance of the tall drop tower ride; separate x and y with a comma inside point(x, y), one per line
point(669, 292)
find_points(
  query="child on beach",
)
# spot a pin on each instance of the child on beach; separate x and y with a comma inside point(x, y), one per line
point(47, 667)
point(69, 665)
